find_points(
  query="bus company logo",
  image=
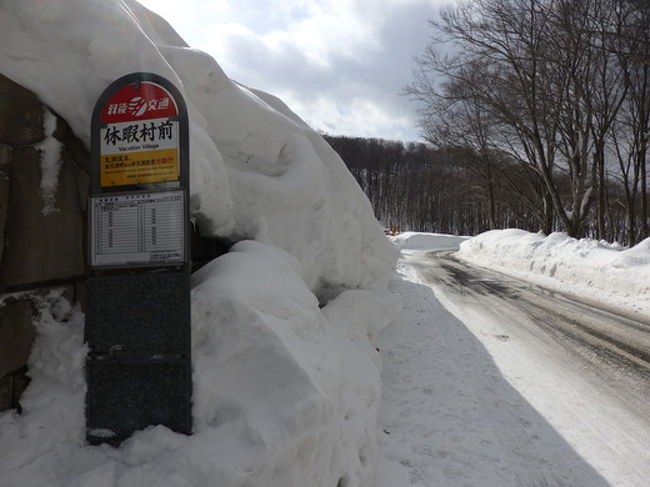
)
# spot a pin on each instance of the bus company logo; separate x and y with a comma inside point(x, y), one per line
point(134, 103)
point(137, 106)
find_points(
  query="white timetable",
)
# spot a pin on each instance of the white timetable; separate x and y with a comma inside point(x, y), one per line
point(137, 228)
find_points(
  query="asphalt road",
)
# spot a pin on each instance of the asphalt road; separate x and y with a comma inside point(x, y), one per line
point(613, 349)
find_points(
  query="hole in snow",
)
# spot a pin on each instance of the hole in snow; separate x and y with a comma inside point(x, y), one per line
point(205, 249)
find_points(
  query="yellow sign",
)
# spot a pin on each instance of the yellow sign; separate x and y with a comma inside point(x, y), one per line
point(155, 166)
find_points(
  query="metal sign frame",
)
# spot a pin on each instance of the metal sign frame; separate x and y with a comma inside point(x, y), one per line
point(138, 323)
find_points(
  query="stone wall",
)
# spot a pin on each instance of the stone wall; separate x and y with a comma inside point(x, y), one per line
point(41, 232)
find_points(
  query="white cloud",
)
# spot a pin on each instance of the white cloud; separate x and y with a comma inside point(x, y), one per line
point(361, 117)
point(340, 64)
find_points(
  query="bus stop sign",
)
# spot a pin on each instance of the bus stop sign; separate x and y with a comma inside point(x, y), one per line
point(138, 318)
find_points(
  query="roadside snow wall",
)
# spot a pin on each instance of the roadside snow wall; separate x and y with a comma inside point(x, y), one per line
point(414, 241)
point(286, 379)
point(606, 273)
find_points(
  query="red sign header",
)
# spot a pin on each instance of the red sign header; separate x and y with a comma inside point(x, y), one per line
point(138, 101)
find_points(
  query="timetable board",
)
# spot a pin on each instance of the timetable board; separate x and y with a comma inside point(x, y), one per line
point(143, 228)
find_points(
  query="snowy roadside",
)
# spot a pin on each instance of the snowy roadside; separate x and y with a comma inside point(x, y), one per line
point(593, 271)
point(451, 418)
point(463, 405)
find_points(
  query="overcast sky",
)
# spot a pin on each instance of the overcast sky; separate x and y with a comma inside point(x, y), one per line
point(339, 64)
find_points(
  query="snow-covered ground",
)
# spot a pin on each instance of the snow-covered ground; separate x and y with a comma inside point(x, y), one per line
point(286, 379)
point(287, 385)
point(472, 398)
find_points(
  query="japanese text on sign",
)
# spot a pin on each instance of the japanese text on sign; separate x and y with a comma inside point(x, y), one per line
point(142, 132)
point(137, 153)
point(145, 228)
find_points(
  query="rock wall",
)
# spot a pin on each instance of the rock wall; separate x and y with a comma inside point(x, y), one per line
point(43, 191)
point(44, 186)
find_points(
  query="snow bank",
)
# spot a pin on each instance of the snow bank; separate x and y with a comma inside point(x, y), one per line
point(598, 271)
point(426, 241)
point(286, 379)
point(286, 393)
point(257, 170)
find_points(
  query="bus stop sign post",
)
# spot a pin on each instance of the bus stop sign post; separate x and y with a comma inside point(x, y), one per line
point(138, 369)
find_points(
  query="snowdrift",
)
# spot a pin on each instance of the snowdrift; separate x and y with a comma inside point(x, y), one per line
point(413, 241)
point(286, 380)
point(257, 171)
point(599, 271)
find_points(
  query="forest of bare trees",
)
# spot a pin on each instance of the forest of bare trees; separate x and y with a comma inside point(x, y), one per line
point(537, 113)
point(447, 189)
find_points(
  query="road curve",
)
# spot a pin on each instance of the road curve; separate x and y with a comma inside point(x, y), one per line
point(614, 348)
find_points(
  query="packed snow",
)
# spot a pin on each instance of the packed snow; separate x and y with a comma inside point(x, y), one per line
point(595, 271)
point(286, 379)
point(286, 393)
point(473, 397)
point(412, 241)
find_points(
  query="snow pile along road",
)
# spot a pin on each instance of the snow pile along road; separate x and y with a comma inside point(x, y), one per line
point(286, 379)
point(413, 241)
point(597, 271)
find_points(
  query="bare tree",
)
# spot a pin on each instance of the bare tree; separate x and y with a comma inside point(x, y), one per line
point(525, 64)
point(467, 126)
point(638, 71)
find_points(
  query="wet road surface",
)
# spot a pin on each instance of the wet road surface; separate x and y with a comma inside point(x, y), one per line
point(613, 348)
